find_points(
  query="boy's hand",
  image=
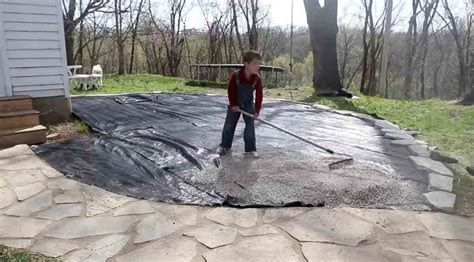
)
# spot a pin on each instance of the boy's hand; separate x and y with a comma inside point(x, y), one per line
point(235, 109)
point(256, 115)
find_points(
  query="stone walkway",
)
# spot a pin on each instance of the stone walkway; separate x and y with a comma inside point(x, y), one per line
point(44, 212)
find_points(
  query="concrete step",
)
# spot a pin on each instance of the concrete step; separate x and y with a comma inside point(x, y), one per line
point(32, 135)
point(19, 119)
point(15, 103)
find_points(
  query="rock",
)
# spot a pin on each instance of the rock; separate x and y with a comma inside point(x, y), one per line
point(470, 170)
point(447, 226)
point(459, 250)
point(332, 226)
point(429, 164)
point(32, 205)
point(30, 227)
point(21, 177)
point(64, 184)
point(441, 200)
point(93, 226)
point(278, 214)
point(213, 236)
point(154, 227)
point(416, 244)
point(53, 136)
point(436, 155)
point(100, 201)
point(256, 249)
point(419, 150)
point(407, 142)
point(58, 212)
point(185, 214)
point(330, 252)
point(25, 192)
point(23, 162)
point(390, 221)
point(7, 197)
point(18, 150)
point(53, 248)
point(228, 216)
point(439, 182)
point(398, 136)
point(69, 197)
point(384, 124)
point(260, 230)
point(100, 250)
point(135, 208)
point(3, 183)
point(16, 243)
point(168, 249)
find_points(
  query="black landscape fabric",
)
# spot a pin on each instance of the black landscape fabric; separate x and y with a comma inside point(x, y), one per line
point(162, 147)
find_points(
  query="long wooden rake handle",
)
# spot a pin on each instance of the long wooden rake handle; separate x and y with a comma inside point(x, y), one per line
point(286, 131)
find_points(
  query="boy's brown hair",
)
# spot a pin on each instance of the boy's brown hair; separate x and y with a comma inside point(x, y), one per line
point(250, 55)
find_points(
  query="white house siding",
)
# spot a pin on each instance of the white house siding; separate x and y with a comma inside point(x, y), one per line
point(32, 48)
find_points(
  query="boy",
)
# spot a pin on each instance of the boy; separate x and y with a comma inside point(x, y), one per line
point(240, 88)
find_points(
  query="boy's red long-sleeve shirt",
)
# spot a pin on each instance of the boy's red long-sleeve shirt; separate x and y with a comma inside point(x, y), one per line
point(232, 88)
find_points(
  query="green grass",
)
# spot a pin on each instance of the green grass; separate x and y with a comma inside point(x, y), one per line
point(19, 255)
point(447, 126)
point(147, 83)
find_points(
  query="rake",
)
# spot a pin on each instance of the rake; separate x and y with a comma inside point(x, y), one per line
point(332, 166)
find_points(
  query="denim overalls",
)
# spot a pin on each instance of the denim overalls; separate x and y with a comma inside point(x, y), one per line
point(246, 103)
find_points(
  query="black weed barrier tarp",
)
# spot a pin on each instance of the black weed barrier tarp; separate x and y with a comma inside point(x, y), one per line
point(162, 147)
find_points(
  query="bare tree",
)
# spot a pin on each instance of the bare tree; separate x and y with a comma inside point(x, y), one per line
point(386, 49)
point(462, 41)
point(172, 33)
point(135, 33)
point(322, 23)
point(71, 20)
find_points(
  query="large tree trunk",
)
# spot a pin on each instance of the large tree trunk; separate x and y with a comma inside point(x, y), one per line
point(322, 23)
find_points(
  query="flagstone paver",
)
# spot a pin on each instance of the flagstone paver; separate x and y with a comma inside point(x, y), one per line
point(93, 226)
point(259, 230)
point(432, 165)
point(390, 221)
point(7, 197)
point(331, 252)
point(440, 182)
point(100, 201)
point(333, 226)
point(176, 249)
point(30, 227)
point(441, 200)
point(154, 227)
point(261, 248)
point(31, 205)
point(213, 236)
point(53, 247)
point(59, 212)
point(448, 226)
point(16, 243)
point(69, 197)
point(136, 208)
point(100, 250)
point(228, 216)
point(461, 251)
point(419, 150)
point(27, 191)
point(416, 244)
point(185, 214)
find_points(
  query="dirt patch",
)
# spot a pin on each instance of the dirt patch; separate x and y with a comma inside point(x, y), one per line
point(67, 131)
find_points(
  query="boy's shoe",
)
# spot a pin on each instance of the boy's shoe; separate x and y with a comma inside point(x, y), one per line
point(222, 151)
point(253, 154)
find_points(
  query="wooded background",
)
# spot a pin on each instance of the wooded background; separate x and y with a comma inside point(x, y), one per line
point(431, 57)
